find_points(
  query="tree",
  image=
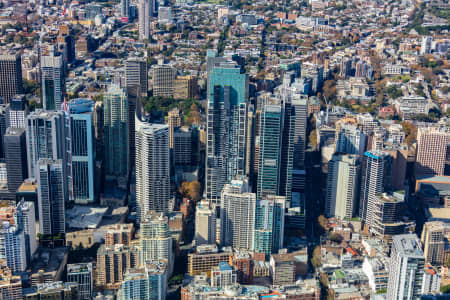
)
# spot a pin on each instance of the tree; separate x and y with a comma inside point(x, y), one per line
point(445, 289)
point(323, 222)
point(313, 139)
point(191, 190)
point(316, 259)
point(410, 131)
point(329, 89)
point(335, 237)
point(194, 114)
point(394, 92)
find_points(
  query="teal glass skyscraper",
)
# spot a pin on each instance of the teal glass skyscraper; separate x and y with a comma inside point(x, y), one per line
point(116, 131)
point(83, 154)
point(226, 127)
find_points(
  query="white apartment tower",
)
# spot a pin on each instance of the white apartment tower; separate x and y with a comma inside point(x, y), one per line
point(237, 215)
point(205, 224)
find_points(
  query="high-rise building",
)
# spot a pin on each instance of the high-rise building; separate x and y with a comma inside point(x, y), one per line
point(350, 140)
point(223, 276)
point(136, 73)
point(147, 283)
point(83, 154)
point(431, 150)
point(125, 8)
point(301, 116)
point(98, 127)
point(185, 87)
point(237, 215)
point(342, 186)
point(164, 14)
point(182, 150)
point(53, 81)
point(269, 151)
point(10, 285)
point(82, 274)
point(425, 46)
point(406, 268)
point(434, 236)
point(10, 76)
point(51, 181)
point(386, 219)
point(48, 137)
point(163, 77)
point(15, 157)
point(118, 234)
point(174, 121)
point(155, 240)
point(3, 126)
point(26, 221)
point(115, 122)
point(205, 224)
point(269, 225)
point(18, 111)
point(113, 262)
point(152, 168)
point(12, 247)
point(375, 178)
point(146, 10)
point(226, 127)
point(134, 104)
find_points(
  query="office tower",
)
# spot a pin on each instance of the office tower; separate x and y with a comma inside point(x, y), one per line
point(425, 46)
point(145, 283)
point(434, 235)
point(205, 224)
point(226, 128)
point(18, 111)
point(375, 178)
point(431, 151)
point(10, 76)
point(83, 154)
point(269, 227)
point(118, 234)
point(15, 157)
point(342, 186)
point(164, 15)
point(174, 121)
point(12, 247)
point(185, 87)
point(182, 151)
point(134, 103)
point(286, 151)
point(136, 73)
point(26, 221)
point(81, 274)
point(250, 146)
point(51, 196)
point(301, 115)
point(388, 211)
point(406, 268)
point(146, 10)
point(152, 168)
point(98, 127)
point(115, 108)
point(350, 140)
point(53, 81)
point(237, 215)
point(163, 77)
point(113, 262)
point(155, 240)
point(3, 126)
point(48, 137)
point(125, 8)
point(269, 151)
point(10, 285)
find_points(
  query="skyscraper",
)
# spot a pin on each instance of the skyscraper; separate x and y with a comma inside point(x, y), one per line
point(147, 283)
point(136, 70)
point(174, 121)
point(350, 140)
point(269, 151)
point(116, 131)
point(301, 115)
point(406, 268)
point(83, 154)
point(375, 178)
point(18, 111)
point(205, 224)
point(431, 150)
point(342, 186)
point(125, 8)
point(10, 76)
point(269, 227)
point(226, 127)
point(15, 157)
point(82, 274)
point(51, 196)
point(237, 215)
point(146, 9)
point(26, 221)
point(48, 137)
point(163, 77)
point(152, 168)
point(156, 241)
point(53, 81)
point(12, 247)
point(434, 241)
